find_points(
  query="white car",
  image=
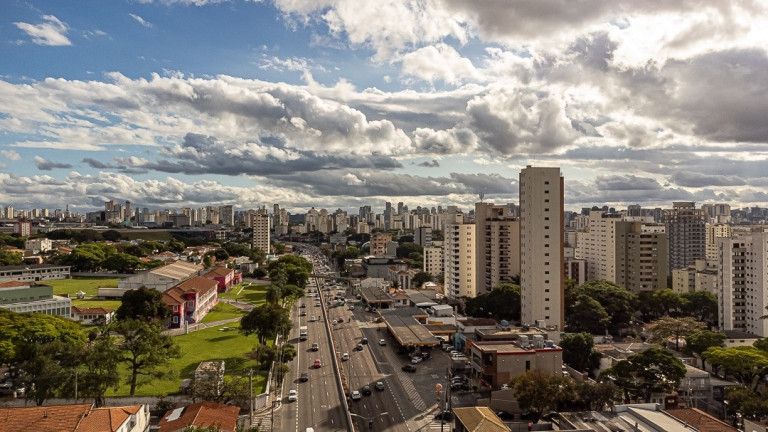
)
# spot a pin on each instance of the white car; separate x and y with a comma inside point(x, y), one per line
point(312, 318)
point(345, 357)
point(356, 395)
point(293, 395)
point(382, 342)
point(416, 360)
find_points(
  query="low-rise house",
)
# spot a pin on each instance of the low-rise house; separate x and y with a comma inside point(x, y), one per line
point(191, 300)
point(33, 273)
point(161, 279)
point(23, 297)
point(93, 316)
point(224, 276)
point(75, 418)
point(202, 414)
point(497, 362)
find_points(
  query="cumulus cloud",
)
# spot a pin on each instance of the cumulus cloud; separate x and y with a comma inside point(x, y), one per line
point(10, 155)
point(47, 165)
point(439, 62)
point(430, 164)
point(51, 32)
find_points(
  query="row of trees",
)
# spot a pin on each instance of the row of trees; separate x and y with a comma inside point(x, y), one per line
point(50, 356)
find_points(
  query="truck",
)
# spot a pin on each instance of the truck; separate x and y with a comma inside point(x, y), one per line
point(303, 333)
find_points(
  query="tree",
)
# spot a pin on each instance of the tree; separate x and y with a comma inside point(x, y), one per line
point(265, 321)
point(537, 391)
point(667, 327)
point(700, 341)
point(8, 258)
point(747, 364)
point(143, 303)
point(579, 351)
point(101, 359)
point(297, 269)
point(746, 402)
point(266, 354)
point(420, 278)
point(145, 349)
point(586, 315)
point(111, 235)
point(502, 302)
point(653, 370)
point(596, 396)
point(701, 305)
point(406, 249)
point(121, 263)
point(617, 301)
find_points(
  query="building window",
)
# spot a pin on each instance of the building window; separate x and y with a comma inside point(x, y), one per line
point(175, 319)
point(527, 365)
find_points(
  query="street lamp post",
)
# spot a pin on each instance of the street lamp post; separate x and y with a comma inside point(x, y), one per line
point(369, 419)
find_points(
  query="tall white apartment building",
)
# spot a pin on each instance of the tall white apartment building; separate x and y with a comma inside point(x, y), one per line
point(596, 245)
point(686, 229)
point(541, 246)
point(714, 232)
point(743, 283)
point(459, 260)
point(261, 223)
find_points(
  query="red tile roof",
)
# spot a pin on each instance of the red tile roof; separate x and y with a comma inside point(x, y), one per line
point(700, 420)
point(197, 284)
point(13, 284)
point(219, 271)
point(202, 414)
point(53, 418)
point(108, 419)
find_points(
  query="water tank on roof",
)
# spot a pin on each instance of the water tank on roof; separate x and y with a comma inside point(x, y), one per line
point(550, 344)
point(538, 341)
point(523, 340)
point(504, 323)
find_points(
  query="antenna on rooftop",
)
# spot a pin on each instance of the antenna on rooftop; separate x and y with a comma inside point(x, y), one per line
point(482, 195)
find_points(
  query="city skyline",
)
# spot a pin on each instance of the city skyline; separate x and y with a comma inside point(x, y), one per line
point(340, 104)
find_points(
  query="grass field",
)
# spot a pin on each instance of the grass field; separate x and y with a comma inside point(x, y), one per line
point(255, 294)
point(223, 311)
point(88, 285)
point(96, 303)
point(203, 345)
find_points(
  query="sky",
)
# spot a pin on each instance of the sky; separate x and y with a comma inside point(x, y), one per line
point(342, 103)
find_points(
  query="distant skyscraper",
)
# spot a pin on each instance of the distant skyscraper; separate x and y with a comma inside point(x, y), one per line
point(262, 225)
point(541, 246)
point(227, 215)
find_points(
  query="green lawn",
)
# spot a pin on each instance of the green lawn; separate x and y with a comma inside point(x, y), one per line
point(89, 285)
point(223, 311)
point(256, 294)
point(203, 345)
point(96, 303)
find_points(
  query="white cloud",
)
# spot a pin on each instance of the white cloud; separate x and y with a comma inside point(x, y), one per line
point(52, 32)
point(10, 155)
point(439, 62)
point(141, 20)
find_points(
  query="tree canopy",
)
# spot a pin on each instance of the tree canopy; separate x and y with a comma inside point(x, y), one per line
point(143, 303)
point(700, 341)
point(265, 321)
point(501, 303)
point(145, 349)
point(579, 351)
point(653, 370)
point(618, 302)
point(747, 364)
point(539, 392)
point(667, 327)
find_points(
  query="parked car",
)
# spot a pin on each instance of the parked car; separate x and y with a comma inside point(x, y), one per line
point(352, 307)
point(356, 395)
point(504, 415)
point(504, 386)
point(364, 341)
point(382, 342)
point(312, 318)
point(416, 360)
point(303, 313)
point(345, 357)
point(379, 386)
point(367, 390)
point(318, 364)
point(340, 320)
point(409, 368)
point(303, 305)
point(292, 396)
point(359, 347)
point(304, 377)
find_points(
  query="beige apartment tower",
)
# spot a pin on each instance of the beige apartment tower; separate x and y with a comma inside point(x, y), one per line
point(261, 222)
point(497, 248)
point(541, 247)
point(459, 260)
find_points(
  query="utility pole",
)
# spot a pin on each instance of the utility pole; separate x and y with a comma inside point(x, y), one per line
point(75, 386)
point(250, 393)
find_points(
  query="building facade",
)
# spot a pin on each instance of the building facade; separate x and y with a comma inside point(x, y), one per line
point(262, 230)
point(541, 246)
point(497, 246)
point(641, 258)
point(686, 230)
point(459, 260)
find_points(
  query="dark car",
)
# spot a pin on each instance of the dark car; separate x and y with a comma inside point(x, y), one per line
point(364, 341)
point(367, 390)
point(504, 415)
point(409, 368)
point(445, 415)
point(304, 377)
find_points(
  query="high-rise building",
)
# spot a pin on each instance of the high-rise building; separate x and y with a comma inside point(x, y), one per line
point(459, 260)
point(227, 215)
point(262, 227)
point(743, 283)
point(422, 236)
point(497, 248)
point(379, 243)
point(433, 259)
point(714, 232)
point(541, 246)
point(641, 257)
point(686, 230)
point(596, 245)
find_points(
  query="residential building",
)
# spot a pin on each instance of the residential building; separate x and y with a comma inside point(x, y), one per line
point(191, 300)
point(34, 273)
point(497, 246)
point(714, 232)
point(23, 228)
point(39, 245)
point(477, 419)
point(433, 259)
point(93, 316)
point(576, 269)
point(227, 215)
point(202, 414)
point(641, 258)
point(497, 362)
point(262, 231)
point(75, 418)
point(422, 236)
point(686, 230)
point(541, 247)
point(459, 260)
point(597, 245)
point(23, 297)
point(743, 283)
point(379, 242)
